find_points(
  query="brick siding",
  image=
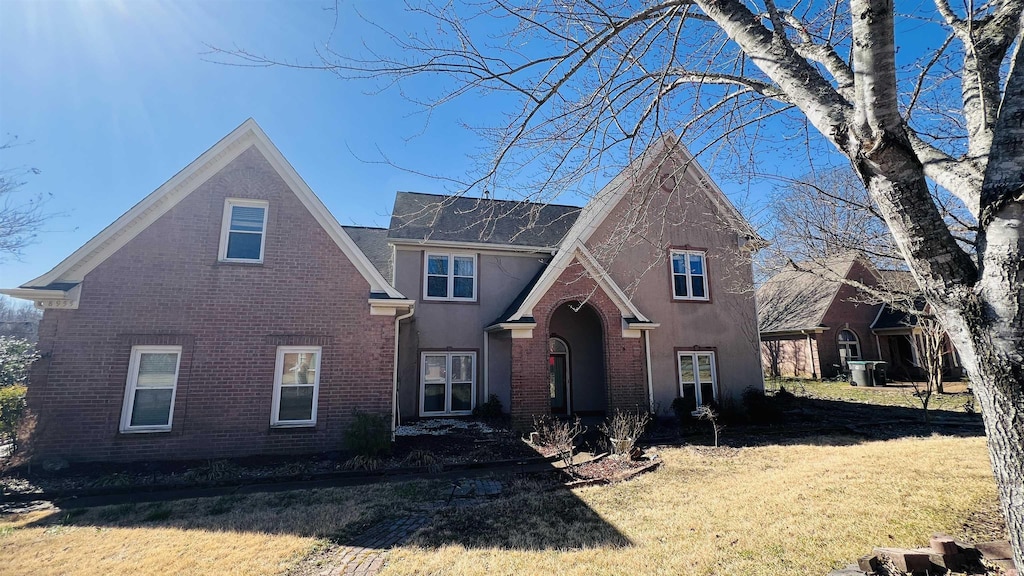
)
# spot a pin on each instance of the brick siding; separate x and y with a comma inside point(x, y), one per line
point(165, 286)
point(625, 376)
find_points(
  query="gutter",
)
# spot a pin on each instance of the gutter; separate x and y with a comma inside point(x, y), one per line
point(650, 378)
point(395, 413)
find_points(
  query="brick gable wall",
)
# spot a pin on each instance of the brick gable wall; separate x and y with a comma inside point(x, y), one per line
point(166, 287)
point(625, 375)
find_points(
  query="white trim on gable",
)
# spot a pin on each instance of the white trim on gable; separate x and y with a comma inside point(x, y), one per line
point(75, 267)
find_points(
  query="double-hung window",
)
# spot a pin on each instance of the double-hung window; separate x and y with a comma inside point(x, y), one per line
point(689, 275)
point(243, 230)
point(447, 383)
point(149, 392)
point(450, 277)
point(698, 380)
point(296, 386)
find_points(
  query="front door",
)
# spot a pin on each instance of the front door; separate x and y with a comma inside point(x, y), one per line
point(558, 374)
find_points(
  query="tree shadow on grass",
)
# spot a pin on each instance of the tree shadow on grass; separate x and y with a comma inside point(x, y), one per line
point(530, 515)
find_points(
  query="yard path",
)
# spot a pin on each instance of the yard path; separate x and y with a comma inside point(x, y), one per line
point(365, 556)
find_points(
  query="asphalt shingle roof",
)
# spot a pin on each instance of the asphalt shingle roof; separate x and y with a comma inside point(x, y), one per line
point(374, 243)
point(794, 300)
point(460, 219)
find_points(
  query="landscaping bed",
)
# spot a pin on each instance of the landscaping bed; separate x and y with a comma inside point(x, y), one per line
point(428, 446)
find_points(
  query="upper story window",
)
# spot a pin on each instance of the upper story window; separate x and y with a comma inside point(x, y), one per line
point(689, 275)
point(149, 393)
point(243, 230)
point(449, 277)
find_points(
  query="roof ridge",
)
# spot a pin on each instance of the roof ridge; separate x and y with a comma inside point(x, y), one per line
point(461, 197)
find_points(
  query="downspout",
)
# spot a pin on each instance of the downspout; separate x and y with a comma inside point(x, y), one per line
point(878, 346)
point(395, 414)
point(487, 388)
point(650, 378)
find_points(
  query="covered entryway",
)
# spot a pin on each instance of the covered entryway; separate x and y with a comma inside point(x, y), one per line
point(576, 361)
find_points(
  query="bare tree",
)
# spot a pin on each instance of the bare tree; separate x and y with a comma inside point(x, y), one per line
point(582, 80)
point(20, 218)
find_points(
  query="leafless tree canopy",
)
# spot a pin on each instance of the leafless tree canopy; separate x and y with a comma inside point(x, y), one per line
point(583, 84)
point(20, 217)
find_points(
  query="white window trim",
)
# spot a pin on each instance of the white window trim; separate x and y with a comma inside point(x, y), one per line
point(686, 272)
point(448, 383)
point(696, 375)
point(451, 276)
point(276, 403)
point(840, 344)
point(131, 384)
point(225, 228)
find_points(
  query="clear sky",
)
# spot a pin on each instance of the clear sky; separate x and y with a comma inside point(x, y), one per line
point(109, 99)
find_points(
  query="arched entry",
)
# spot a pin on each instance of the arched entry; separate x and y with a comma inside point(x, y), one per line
point(579, 329)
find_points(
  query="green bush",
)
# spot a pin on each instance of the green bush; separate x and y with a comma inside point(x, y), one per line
point(368, 435)
point(490, 410)
point(16, 357)
point(12, 404)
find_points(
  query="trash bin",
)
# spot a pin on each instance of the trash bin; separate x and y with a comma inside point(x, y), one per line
point(861, 373)
point(880, 374)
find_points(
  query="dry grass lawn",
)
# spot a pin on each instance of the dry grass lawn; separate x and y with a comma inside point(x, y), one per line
point(897, 394)
point(776, 510)
point(772, 510)
point(243, 535)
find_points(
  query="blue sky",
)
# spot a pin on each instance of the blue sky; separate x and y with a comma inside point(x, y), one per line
point(111, 99)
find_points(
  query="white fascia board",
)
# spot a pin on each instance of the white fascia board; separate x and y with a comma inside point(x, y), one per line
point(626, 306)
point(44, 299)
point(390, 307)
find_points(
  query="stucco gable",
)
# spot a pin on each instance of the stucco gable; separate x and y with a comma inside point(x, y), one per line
point(72, 270)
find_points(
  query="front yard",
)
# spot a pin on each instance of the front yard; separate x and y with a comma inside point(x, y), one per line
point(798, 508)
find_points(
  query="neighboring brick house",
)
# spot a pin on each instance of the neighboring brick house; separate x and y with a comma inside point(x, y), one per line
point(812, 323)
point(228, 313)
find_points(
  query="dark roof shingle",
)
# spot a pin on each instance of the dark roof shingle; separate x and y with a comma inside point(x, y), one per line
point(461, 219)
point(374, 244)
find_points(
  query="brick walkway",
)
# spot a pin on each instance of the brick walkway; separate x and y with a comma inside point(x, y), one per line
point(365, 555)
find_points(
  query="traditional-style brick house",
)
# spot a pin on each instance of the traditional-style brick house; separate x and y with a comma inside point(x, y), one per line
point(812, 322)
point(228, 313)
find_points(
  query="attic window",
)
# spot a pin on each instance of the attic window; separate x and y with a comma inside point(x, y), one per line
point(243, 230)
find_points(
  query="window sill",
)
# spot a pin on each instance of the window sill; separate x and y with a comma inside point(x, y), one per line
point(451, 300)
point(697, 300)
point(297, 426)
point(146, 431)
point(254, 263)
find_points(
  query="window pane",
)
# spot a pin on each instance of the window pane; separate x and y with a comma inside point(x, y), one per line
point(246, 218)
point(689, 397)
point(847, 336)
point(433, 397)
point(462, 368)
point(296, 403)
point(463, 266)
point(434, 369)
point(156, 370)
point(698, 286)
point(437, 286)
point(686, 369)
point(707, 392)
point(680, 286)
point(704, 367)
point(696, 264)
point(299, 368)
point(463, 287)
point(462, 396)
point(679, 263)
point(437, 265)
point(152, 407)
point(244, 245)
